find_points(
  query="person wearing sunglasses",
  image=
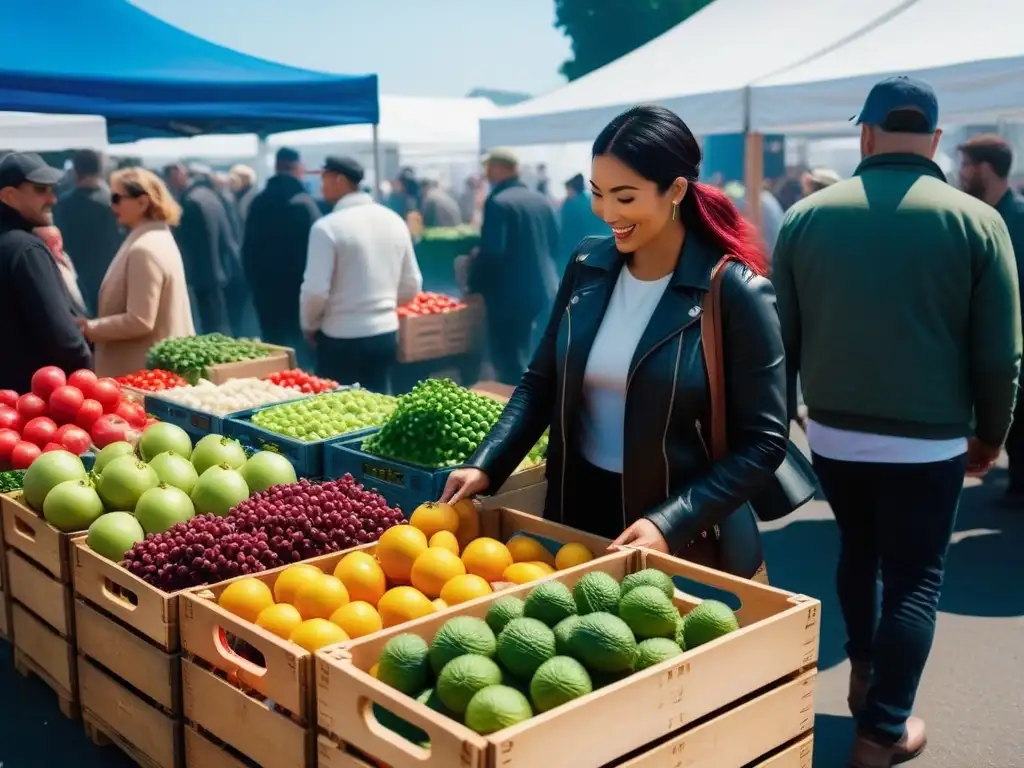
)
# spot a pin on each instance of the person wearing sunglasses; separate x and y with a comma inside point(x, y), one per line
point(143, 298)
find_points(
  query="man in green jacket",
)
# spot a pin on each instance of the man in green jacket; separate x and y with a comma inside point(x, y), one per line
point(900, 310)
point(985, 163)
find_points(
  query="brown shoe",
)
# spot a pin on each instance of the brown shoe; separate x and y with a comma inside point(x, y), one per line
point(868, 753)
point(860, 679)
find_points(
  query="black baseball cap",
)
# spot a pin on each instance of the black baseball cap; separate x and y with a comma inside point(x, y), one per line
point(345, 166)
point(18, 167)
point(900, 93)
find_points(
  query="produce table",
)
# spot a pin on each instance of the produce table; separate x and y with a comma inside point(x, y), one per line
point(436, 254)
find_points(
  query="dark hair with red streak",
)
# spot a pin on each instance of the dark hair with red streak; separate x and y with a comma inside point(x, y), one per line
point(658, 145)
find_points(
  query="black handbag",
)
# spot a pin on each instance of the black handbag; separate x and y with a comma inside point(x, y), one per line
point(794, 483)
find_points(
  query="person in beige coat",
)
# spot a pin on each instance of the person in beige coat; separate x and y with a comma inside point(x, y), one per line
point(143, 298)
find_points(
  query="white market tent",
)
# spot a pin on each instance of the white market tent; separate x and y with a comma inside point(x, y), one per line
point(749, 65)
point(34, 132)
point(978, 78)
point(419, 127)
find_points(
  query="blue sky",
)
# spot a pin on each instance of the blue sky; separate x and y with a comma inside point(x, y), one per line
point(418, 47)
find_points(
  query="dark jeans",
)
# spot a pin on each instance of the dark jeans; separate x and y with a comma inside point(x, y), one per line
point(367, 361)
point(510, 340)
point(895, 521)
point(1015, 454)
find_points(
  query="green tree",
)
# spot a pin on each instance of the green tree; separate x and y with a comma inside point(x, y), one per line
point(603, 30)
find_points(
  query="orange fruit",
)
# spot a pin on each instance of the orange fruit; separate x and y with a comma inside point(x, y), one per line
point(431, 517)
point(525, 549)
point(358, 619)
point(402, 604)
point(397, 549)
point(362, 576)
point(314, 634)
point(464, 588)
point(487, 558)
point(280, 619)
point(320, 598)
point(546, 567)
point(445, 540)
point(433, 569)
point(246, 598)
point(469, 521)
point(292, 578)
point(522, 573)
point(440, 604)
point(572, 554)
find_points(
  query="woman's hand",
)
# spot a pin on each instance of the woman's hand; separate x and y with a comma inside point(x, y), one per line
point(465, 483)
point(642, 533)
point(83, 326)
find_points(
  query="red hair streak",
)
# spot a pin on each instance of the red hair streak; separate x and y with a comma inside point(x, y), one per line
point(725, 227)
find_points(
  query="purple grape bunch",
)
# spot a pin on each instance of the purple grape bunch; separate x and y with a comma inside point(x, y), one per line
point(281, 525)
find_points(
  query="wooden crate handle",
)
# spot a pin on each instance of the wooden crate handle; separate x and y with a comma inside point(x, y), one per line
point(24, 529)
point(742, 588)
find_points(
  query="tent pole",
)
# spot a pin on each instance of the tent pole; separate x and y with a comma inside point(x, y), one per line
point(753, 164)
point(377, 181)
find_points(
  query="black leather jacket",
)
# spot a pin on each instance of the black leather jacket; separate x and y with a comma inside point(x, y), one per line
point(667, 473)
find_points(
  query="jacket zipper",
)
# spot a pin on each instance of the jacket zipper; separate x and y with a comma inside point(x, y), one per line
point(668, 418)
point(704, 445)
point(565, 437)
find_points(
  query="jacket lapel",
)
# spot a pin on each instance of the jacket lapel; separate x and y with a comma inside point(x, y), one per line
point(680, 304)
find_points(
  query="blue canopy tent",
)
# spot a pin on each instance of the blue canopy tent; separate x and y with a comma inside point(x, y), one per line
point(148, 78)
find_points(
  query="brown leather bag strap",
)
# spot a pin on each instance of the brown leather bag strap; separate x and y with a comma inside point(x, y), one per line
point(711, 341)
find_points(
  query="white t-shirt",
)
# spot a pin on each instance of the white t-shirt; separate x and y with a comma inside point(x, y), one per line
point(847, 445)
point(360, 266)
point(629, 311)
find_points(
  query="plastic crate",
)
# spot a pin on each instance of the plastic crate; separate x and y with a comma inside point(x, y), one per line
point(403, 485)
point(197, 424)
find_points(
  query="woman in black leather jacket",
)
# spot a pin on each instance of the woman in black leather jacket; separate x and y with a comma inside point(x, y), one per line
point(619, 375)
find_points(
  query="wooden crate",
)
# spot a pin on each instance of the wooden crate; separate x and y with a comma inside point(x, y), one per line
point(5, 616)
point(114, 714)
point(421, 337)
point(35, 589)
point(203, 752)
point(26, 531)
point(778, 638)
point(280, 359)
point(799, 754)
point(224, 683)
point(40, 651)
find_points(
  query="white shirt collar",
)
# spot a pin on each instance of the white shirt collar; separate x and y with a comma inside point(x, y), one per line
point(354, 198)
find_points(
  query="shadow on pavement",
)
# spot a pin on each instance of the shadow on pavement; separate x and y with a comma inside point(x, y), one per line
point(984, 569)
point(833, 739)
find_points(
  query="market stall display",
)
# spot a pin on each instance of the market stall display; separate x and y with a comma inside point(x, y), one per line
point(218, 358)
point(433, 429)
point(303, 382)
point(64, 413)
point(282, 671)
point(436, 251)
point(434, 326)
point(152, 380)
point(300, 430)
point(545, 677)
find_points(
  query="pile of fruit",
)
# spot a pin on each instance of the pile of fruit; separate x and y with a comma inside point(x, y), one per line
point(429, 303)
point(156, 380)
point(283, 524)
point(457, 232)
point(190, 356)
point(440, 424)
point(11, 480)
point(64, 413)
point(327, 415)
point(303, 382)
point(230, 397)
point(145, 489)
point(534, 655)
point(414, 570)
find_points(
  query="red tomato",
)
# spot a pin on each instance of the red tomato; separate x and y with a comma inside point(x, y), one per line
point(88, 413)
point(10, 418)
point(64, 403)
point(47, 379)
point(107, 393)
point(24, 454)
point(40, 430)
point(110, 428)
point(8, 439)
point(30, 406)
point(84, 379)
point(133, 413)
point(53, 447)
point(74, 439)
point(8, 397)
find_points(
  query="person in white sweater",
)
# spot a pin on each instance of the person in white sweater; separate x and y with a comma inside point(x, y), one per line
point(360, 267)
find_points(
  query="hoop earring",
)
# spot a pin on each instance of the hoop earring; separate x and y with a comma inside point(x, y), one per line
point(675, 211)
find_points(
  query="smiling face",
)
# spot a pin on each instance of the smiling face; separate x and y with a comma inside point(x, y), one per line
point(636, 210)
